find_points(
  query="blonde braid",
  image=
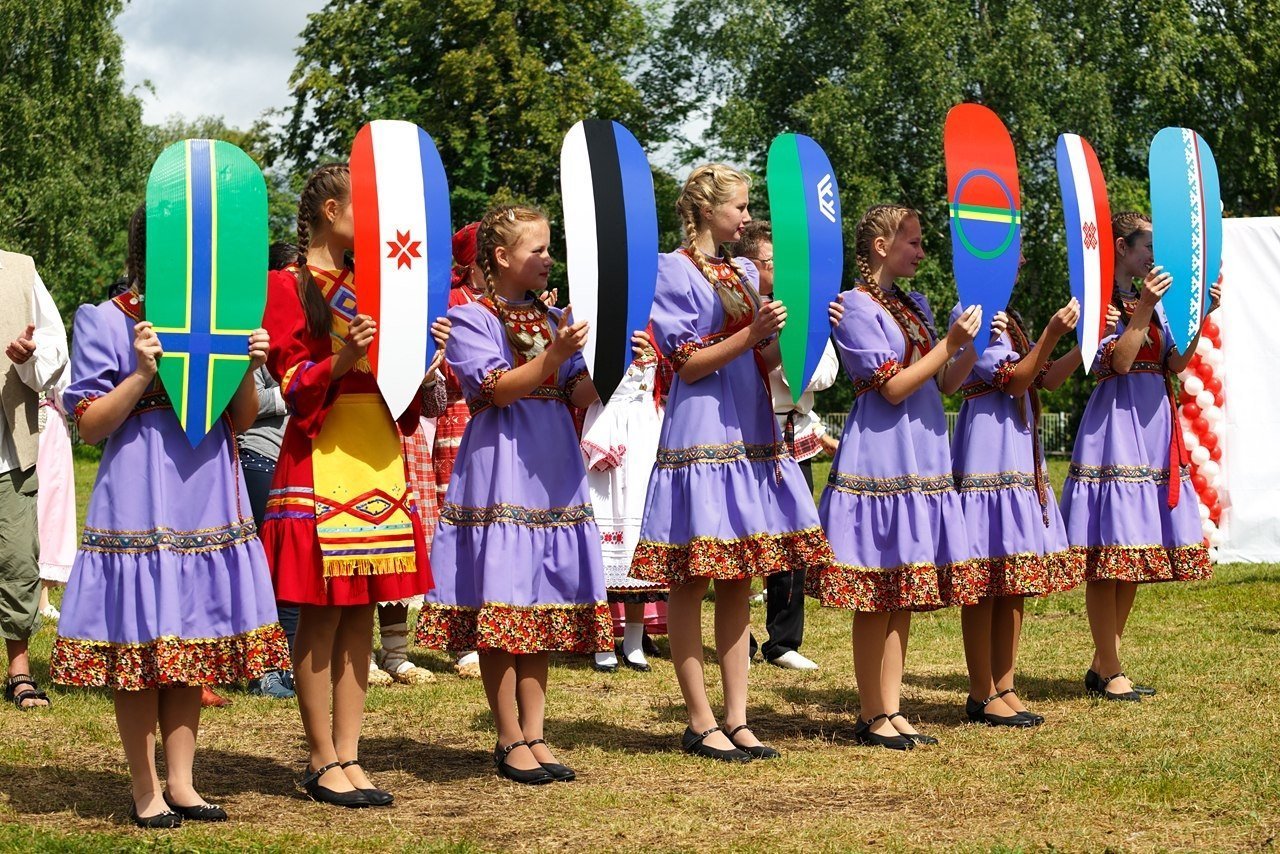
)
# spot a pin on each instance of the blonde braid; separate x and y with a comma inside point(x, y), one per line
point(709, 186)
point(503, 227)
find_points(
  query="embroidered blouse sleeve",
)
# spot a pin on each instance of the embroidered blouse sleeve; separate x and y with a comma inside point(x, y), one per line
point(306, 382)
point(863, 348)
point(476, 354)
point(675, 311)
point(96, 365)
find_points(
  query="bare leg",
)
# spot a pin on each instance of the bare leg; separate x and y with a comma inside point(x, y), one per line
point(870, 636)
point(498, 672)
point(137, 713)
point(349, 672)
point(1126, 593)
point(1100, 603)
point(179, 715)
point(895, 663)
point(313, 650)
point(684, 631)
point(1006, 633)
point(531, 700)
point(976, 623)
point(732, 625)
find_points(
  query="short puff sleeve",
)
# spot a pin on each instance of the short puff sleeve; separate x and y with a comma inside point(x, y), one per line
point(476, 353)
point(675, 310)
point(863, 347)
point(96, 363)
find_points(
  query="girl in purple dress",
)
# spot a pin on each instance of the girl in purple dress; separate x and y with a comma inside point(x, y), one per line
point(726, 501)
point(1128, 502)
point(1015, 530)
point(516, 553)
point(890, 508)
point(170, 588)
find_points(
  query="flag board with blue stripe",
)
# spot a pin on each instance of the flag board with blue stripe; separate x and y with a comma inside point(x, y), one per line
point(206, 273)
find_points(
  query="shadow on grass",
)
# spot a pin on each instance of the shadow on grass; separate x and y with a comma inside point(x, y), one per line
point(1031, 689)
point(432, 763)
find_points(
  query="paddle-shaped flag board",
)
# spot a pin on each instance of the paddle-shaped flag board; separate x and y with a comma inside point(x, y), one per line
point(1090, 254)
point(1186, 226)
point(985, 210)
point(400, 203)
point(611, 237)
point(206, 273)
point(808, 250)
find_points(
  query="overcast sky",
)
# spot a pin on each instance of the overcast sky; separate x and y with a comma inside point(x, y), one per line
point(229, 58)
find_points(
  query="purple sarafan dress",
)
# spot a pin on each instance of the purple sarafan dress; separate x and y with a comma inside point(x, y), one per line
point(516, 555)
point(1117, 501)
point(726, 500)
point(170, 585)
point(1016, 532)
point(890, 508)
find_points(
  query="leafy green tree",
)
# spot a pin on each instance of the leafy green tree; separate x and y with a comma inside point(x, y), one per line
point(872, 80)
point(497, 83)
point(73, 153)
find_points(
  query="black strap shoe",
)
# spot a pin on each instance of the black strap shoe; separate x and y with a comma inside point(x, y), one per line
point(693, 743)
point(977, 713)
point(1035, 719)
point(161, 821)
point(200, 812)
point(917, 737)
point(760, 751)
point(531, 777)
point(862, 732)
point(354, 799)
point(377, 797)
point(562, 773)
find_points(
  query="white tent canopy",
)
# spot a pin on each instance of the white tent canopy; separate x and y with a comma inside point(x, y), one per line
point(1250, 323)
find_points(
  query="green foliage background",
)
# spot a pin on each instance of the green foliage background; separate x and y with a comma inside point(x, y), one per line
point(499, 82)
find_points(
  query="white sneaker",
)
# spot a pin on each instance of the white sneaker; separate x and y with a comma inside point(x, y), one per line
point(50, 613)
point(793, 660)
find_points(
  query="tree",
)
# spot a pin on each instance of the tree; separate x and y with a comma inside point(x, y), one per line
point(872, 80)
point(73, 158)
point(497, 83)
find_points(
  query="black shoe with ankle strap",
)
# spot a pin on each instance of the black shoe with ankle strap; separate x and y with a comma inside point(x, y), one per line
point(977, 713)
point(862, 732)
point(760, 751)
point(377, 797)
point(917, 737)
point(1035, 719)
point(531, 777)
point(694, 743)
point(310, 784)
point(562, 773)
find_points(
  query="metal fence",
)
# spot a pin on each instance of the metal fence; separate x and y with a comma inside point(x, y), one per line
point(1055, 436)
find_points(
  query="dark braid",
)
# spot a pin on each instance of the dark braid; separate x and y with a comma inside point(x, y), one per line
point(136, 257)
point(331, 181)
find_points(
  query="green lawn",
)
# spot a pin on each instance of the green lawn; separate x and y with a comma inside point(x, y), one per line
point(1193, 768)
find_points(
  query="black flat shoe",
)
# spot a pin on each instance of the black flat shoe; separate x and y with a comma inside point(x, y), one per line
point(201, 812)
point(562, 773)
point(355, 799)
point(760, 751)
point(977, 713)
point(917, 737)
point(1144, 690)
point(638, 666)
point(692, 742)
point(862, 732)
point(163, 821)
point(1035, 719)
point(531, 777)
point(377, 797)
point(604, 668)
point(1093, 684)
point(1097, 686)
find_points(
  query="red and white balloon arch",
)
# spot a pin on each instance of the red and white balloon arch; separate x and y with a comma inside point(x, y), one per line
point(1202, 415)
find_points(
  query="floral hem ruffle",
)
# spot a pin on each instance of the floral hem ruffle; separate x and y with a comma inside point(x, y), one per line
point(1030, 574)
point(517, 629)
point(910, 587)
point(169, 661)
point(730, 560)
point(1144, 564)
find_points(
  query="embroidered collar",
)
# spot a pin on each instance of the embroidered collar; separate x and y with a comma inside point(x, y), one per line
point(130, 303)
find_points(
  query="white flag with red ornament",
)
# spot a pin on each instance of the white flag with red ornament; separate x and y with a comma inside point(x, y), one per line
point(400, 204)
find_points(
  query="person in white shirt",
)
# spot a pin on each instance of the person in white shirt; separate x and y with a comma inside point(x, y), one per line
point(803, 430)
point(34, 359)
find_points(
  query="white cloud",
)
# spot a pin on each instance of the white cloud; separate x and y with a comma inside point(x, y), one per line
point(229, 58)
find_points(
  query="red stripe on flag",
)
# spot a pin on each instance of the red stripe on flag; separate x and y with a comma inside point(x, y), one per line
point(368, 246)
point(1106, 241)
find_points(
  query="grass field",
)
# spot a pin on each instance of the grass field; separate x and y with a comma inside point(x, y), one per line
point(1194, 768)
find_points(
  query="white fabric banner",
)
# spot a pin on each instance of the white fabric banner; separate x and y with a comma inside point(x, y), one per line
point(1251, 357)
